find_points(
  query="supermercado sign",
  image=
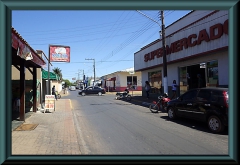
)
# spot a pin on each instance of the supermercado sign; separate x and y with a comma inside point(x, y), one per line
point(215, 32)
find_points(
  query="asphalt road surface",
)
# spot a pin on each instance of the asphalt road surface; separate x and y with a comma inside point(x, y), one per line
point(114, 127)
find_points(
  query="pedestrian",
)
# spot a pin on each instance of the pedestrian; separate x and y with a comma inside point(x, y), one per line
point(147, 88)
point(200, 81)
point(174, 89)
point(54, 92)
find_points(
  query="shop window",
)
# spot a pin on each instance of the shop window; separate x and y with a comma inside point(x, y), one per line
point(212, 73)
point(131, 80)
point(183, 83)
point(155, 80)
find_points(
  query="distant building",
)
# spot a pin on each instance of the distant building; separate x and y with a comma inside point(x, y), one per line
point(120, 80)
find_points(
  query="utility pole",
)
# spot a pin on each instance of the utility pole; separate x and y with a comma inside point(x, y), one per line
point(93, 69)
point(78, 75)
point(165, 82)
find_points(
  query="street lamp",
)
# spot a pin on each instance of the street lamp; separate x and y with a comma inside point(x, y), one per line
point(93, 69)
point(165, 83)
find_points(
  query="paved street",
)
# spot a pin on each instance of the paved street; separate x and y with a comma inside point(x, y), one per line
point(55, 133)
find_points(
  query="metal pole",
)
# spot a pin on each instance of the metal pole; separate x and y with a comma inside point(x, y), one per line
point(132, 85)
point(165, 82)
point(94, 71)
point(49, 88)
point(83, 80)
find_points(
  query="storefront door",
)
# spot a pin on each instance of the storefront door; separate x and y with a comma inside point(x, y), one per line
point(188, 76)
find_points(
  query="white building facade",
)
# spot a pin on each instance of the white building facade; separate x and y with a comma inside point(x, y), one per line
point(195, 44)
point(120, 80)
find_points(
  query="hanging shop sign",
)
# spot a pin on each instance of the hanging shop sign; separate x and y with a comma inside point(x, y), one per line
point(59, 53)
point(23, 51)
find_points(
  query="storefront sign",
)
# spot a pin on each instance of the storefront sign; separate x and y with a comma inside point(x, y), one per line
point(215, 32)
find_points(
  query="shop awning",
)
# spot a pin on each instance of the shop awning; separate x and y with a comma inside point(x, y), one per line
point(111, 79)
point(52, 76)
point(24, 50)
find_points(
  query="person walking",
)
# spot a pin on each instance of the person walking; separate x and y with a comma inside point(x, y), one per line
point(174, 89)
point(200, 81)
point(147, 88)
point(54, 92)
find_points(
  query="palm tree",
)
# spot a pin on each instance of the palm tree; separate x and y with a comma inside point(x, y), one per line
point(58, 72)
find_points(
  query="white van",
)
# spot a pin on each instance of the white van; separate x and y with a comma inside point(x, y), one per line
point(72, 88)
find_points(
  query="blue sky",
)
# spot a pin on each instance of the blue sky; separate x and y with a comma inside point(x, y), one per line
point(111, 37)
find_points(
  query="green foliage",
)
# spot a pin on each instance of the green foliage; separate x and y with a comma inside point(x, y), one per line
point(58, 72)
point(67, 82)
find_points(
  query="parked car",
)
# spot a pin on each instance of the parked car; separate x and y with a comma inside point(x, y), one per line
point(92, 90)
point(72, 88)
point(209, 105)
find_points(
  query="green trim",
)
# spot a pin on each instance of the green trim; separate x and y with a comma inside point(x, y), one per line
point(52, 76)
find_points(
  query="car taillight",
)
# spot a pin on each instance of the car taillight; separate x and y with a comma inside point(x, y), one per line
point(225, 94)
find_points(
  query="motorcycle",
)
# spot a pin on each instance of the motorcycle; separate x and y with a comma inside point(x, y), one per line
point(58, 95)
point(123, 95)
point(160, 104)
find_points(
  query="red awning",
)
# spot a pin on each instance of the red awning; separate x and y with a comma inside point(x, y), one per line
point(24, 50)
point(111, 79)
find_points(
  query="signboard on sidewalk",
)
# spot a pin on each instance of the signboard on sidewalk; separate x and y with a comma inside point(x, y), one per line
point(49, 102)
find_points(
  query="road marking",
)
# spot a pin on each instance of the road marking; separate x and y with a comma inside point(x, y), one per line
point(71, 104)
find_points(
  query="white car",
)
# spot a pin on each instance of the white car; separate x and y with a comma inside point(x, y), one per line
point(72, 88)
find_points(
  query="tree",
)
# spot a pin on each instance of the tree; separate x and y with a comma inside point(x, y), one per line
point(58, 72)
point(67, 82)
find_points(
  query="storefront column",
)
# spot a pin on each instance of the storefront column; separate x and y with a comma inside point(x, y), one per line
point(34, 89)
point(22, 90)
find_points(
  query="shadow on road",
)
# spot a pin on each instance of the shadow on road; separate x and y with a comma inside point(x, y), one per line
point(200, 126)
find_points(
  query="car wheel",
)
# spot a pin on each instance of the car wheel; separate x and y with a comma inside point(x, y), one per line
point(215, 124)
point(99, 93)
point(120, 96)
point(83, 93)
point(171, 113)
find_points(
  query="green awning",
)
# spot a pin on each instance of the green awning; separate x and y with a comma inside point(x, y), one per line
point(52, 76)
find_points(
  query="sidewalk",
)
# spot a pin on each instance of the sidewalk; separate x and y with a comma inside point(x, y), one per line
point(55, 133)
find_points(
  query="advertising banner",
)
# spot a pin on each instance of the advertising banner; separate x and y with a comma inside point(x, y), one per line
point(59, 53)
point(49, 102)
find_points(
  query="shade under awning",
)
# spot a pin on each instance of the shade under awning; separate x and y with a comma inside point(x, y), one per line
point(111, 79)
